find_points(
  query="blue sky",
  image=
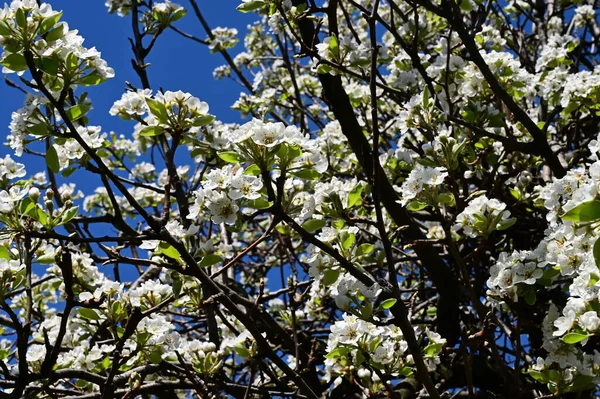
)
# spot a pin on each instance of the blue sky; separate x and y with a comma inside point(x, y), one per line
point(176, 63)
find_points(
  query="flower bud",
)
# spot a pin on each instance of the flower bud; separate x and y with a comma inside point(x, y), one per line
point(34, 193)
point(49, 205)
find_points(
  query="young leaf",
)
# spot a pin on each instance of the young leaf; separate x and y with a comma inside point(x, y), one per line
point(158, 109)
point(248, 6)
point(231, 157)
point(364, 249)
point(330, 277)
point(259, 203)
point(416, 206)
point(15, 62)
point(573, 338)
point(5, 29)
point(89, 314)
point(505, 224)
point(204, 120)
point(91, 80)
point(354, 195)
point(348, 241)
point(52, 159)
point(151, 131)
point(4, 253)
point(69, 215)
point(49, 22)
point(307, 174)
point(168, 250)
point(77, 111)
point(313, 225)
point(388, 303)
point(210, 260)
point(596, 252)
point(334, 46)
point(586, 212)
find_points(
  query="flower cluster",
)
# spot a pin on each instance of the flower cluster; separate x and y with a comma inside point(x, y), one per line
point(483, 216)
point(170, 112)
point(422, 184)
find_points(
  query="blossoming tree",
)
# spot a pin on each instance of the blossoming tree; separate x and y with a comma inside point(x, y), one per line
point(410, 208)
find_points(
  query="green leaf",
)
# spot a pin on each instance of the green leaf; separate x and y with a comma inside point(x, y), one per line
point(168, 250)
point(15, 62)
point(359, 359)
point(538, 376)
point(253, 170)
point(89, 314)
point(313, 225)
point(288, 153)
point(505, 224)
point(42, 217)
point(330, 277)
point(21, 18)
point(177, 15)
point(242, 350)
point(210, 260)
point(334, 46)
point(40, 129)
point(77, 111)
point(323, 69)
point(530, 297)
point(52, 159)
point(69, 215)
point(416, 206)
point(68, 172)
point(354, 195)
point(444, 198)
point(204, 120)
point(231, 157)
point(259, 203)
point(586, 212)
point(250, 6)
point(337, 352)
point(364, 249)
point(596, 252)
point(573, 338)
point(49, 22)
point(177, 284)
point(432, 349)
point(307, 174)
point(151, 131)
point(72, 61)
point(158, 109)
point(19, 279)
point(47, 65)
point(581, 383)
point(46, 259)
point(348, 241)
point(55, 34)
point(465, 5)
point(388, 303)
point(4, 253)
point(27, 205)
point(92, 79)
point(515, 193)
point(155, 356)
point(5, 29)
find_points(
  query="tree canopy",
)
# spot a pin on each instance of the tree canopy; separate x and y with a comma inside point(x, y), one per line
point(409, 208)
